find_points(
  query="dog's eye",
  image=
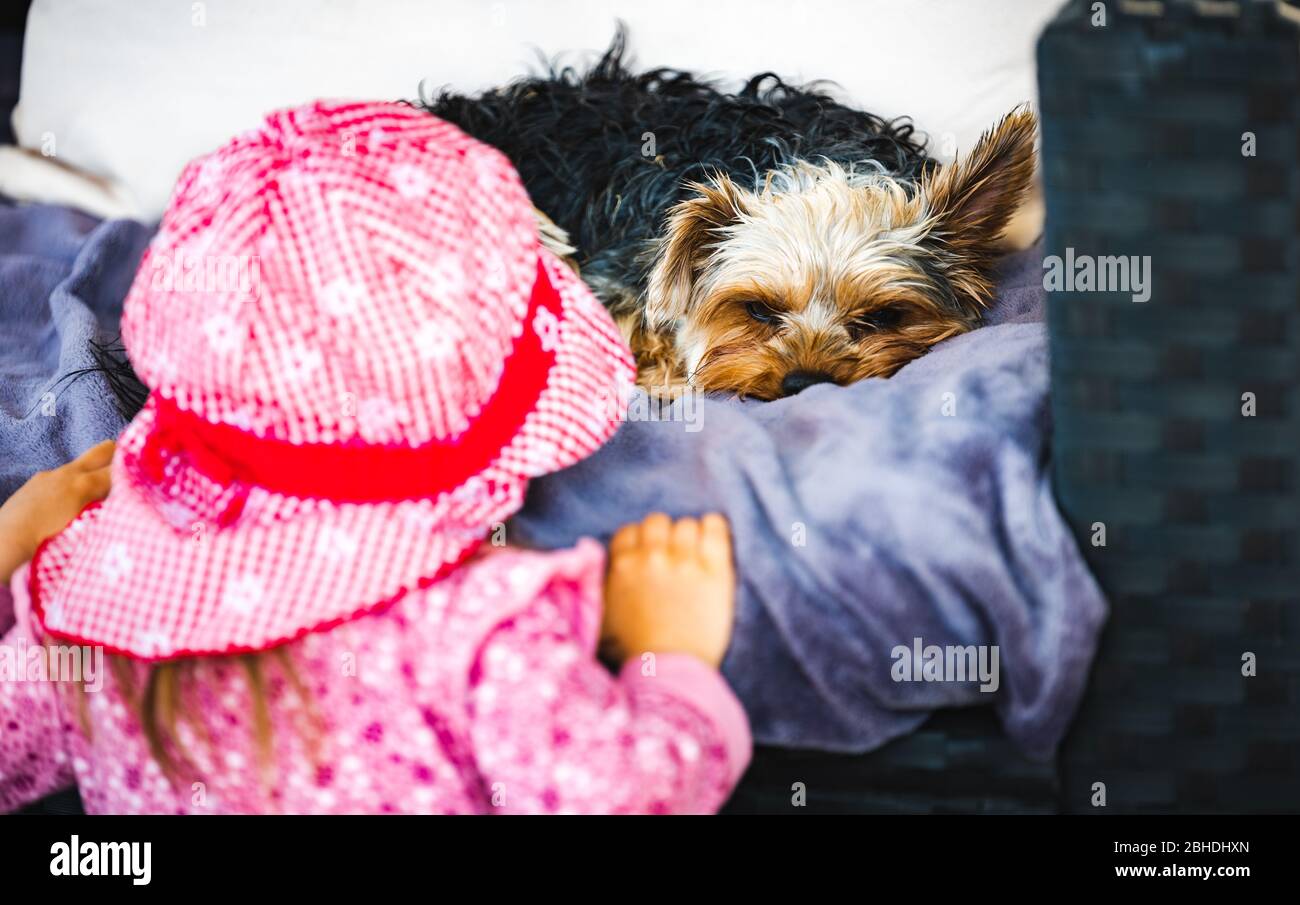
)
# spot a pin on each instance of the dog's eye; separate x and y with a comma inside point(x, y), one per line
point(873, 321)
point(761, 313)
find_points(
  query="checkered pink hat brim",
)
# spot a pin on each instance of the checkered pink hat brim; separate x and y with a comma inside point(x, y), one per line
point(358, 356)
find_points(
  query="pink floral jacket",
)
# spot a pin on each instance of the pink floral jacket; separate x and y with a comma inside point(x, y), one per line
point(479, 694)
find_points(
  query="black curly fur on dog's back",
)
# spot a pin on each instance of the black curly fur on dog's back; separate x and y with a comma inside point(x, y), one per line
point(577, 139)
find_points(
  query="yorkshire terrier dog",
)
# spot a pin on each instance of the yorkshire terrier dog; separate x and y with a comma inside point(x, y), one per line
point(759, 242)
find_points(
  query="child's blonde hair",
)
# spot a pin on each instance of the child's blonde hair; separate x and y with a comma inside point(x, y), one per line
point(161, 696)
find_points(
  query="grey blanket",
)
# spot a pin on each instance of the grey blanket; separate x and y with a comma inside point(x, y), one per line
point(63, 276)
point(866, 517)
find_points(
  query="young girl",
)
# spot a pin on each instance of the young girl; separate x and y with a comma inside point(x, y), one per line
point(359, 355)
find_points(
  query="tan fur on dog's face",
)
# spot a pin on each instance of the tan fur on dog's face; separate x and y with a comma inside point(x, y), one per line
point(829, 274)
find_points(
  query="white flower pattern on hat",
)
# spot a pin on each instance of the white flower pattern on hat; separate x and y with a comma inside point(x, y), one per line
point(166, 367)
point(379, 415)
point(336, 543)
point(411, 181)
point(341, 297)
point(476, 490)
point(208, 181)
point(433, 340)
point(243, 595)
point(224, 333)
point(446, 281)
point(547, 327)
point(116, 562)
point(301, 362)
point(423, 518)
point(496, 276)
point(154, 641)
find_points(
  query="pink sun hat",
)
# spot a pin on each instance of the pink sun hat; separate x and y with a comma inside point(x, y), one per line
point(358, 355)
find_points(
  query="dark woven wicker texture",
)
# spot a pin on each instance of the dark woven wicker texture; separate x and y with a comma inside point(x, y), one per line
point(1145, 124)
point(958, 762)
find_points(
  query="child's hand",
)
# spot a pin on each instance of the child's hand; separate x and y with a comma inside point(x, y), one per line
point(671, 588)
point(47, 502)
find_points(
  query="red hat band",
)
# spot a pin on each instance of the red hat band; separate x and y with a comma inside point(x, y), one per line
point(355, 471)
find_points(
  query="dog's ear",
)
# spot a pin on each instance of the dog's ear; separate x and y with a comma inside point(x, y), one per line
point(693, 228)
point(973, 198)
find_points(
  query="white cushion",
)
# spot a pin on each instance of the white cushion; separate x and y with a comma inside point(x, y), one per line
point(130, 92)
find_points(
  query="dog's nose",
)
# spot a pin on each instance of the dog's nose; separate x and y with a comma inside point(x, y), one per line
point(798, 381)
